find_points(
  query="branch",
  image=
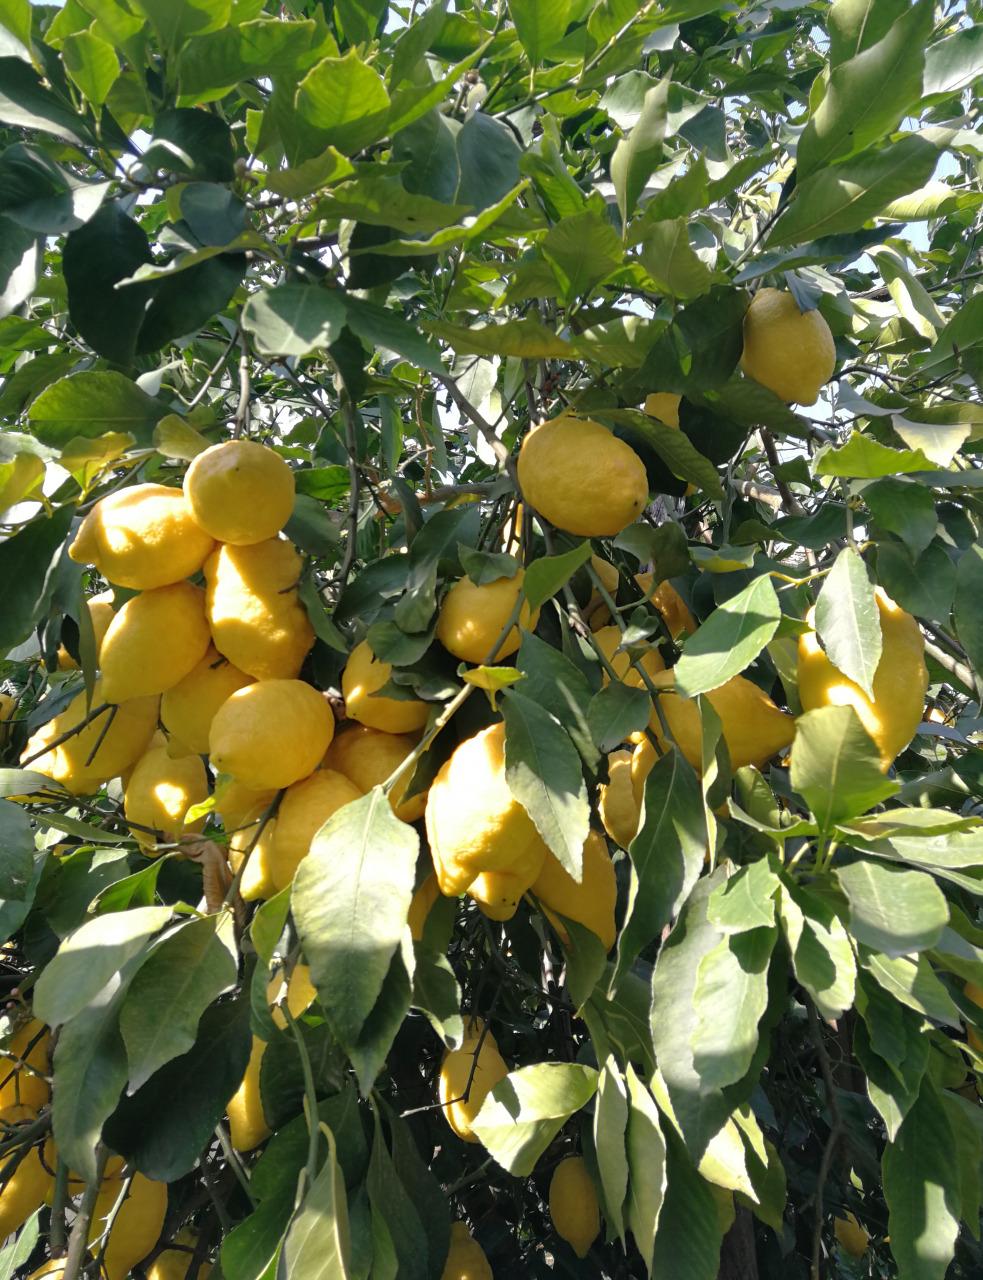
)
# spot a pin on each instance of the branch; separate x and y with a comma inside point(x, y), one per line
point(502, 455)
point(354, 477)
point(80, 1227)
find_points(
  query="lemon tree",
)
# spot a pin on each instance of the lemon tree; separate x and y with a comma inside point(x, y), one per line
point(491, 639)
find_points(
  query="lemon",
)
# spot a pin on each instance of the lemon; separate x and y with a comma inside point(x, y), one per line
point(581, 477)
point(592, 902)
point(23, 1066)
point(257, 882)
point(247, 1119)
point(239, 805)
point(254, 609)
point(159, 793)
point(573, 1205)
point(851, 1235)
point(188, 707)
point(136, 1228)
point(271, 733)
point(298, 992)
point(53, 1269)
point(363, 676)
point(8, 705)
point(753, 727)
point(664, 406)
point(498, 893)
point(474, 823)
point(101, 614)
point(96, 753)
point(667, 601)
point(142, 537)
point(303, 811)
point(617, 805)
point(154, 641)
point(900, 681)
point(174, 1264)
point(455, 1073)
point(465, 1258)
point(791, 352)
point(609, 638)
point(471, 619)
point(25, 1189)
point(240, 492)
point(420, 906)
point(368, 756)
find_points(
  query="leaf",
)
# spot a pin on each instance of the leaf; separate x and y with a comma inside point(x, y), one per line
point(848, 621)
point(542, 769)
point(646, 1165)
point(192, 144)
point(843, 197)
point(894, 911)
point(836, 767)
point(393, 1207)
point(539, 24)
point(868, 95)
point(19, 1248)
point(610, 1127)
point(674, 448)
point(345, 101)
point(952, 64)
point(636, 156)
point(921, 1187)
point(527, 338)
point(554, 682)
point(864, 458)
point(687, 1242)
point(180, 978)
point(436, 993)
point(583, 250)
point(41, 196)
point(616, 711)
point(16, 852)
point(547, 574)
point(293, 319)
point(746, 900)
point(89, 404)
point(968, 605)
point(892, 1087)
point(854, 25)
point(905, 509)
point(110, 247)
point(488, 160)
point(349, 900)
point(317, 1243)
point(381, 327)
point(713, 328)
point(730, 639)
point(20, 265)
point(666, 855)
point(264, 46)
point(668, 257)
point(92, 64)
point(525, 1111)
point(821, 953)
point(729, 1000)
point(26, 104)
point(174, 23)
point(90, 957)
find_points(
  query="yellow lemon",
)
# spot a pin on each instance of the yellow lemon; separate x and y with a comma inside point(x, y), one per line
point(465, 1258)
point(667, 601)
point(96, 752)
point(254, 609)
point(240, 492)
point(573, 1205)
point(25, 1189)
point(581, 477)
point(420, 906)
point(174, 1264)
point(498, 893)
point(900, 681)
point(54, 1269)
point(154, 641)
point(791, 352)
point(471, 619)
point(160, 791)
point(257, 883)
point(458, 1068)
point(851, 1235)
point(188, 707)
point(592, 902)
point(24, 1065)
point(247, 1119)
point(368, 756)
point(303, 811)
point(609, 638)
point(239, 805)
point(364, 675)
point(142, 537)
point(8, 705)
point(753, 727)
point(664, 406)
point(271, 733)
point(101, 614)
point(474, 823)
point(617, 805)
point(136, 1228)
point(298, 992)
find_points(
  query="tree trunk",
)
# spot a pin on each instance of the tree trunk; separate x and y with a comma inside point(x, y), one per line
point(738, 1260)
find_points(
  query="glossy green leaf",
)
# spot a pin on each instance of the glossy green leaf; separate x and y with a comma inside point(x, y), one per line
point(636, 156)
point(848, 621)
point(836, 766)
point(897, 912)
point(730, 639)
point(525, 1111)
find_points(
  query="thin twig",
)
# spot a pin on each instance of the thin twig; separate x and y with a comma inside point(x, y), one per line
point(80, 1227)
point(241, 426)
point(348, 414)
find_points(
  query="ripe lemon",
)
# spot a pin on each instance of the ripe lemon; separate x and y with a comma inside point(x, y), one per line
point(581, 477)
point(271, 733)
point(142, 537)
point(8, 705)
point(420, 906)
point(188, 707)
point(303, 811)
point(664, 406)
point(160, 791)
point(753, 727)
point(298, 992)
point(789, 351)
point(257, 882)
point(609, 638)
point(851, 1235)
point(95, 753)
point(900, 681)
point(465, 1259)
point(364, 675)
point(154, 641)
point(474, 823)
point(573, 1205)
point(25, 1189)
point(247, 1119)
point(592, 902)
point(456, 1071)
point(498, 893)
point(239, 805)
point(616, 803)
point(136, 1228)
point(471, 619)
point(254, 610)
point(174, 1264)
point(53, 1269)
point(367, 757)
point(667, 601)
point(23, 1066)
point(101, 614)
point(240, 492)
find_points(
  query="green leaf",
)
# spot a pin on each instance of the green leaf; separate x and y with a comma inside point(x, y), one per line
point(646, 1165)
point(868, 95)
point(713, 329)
point(674, 448)
point(381, 327)
point(109, 248)
point(547, 574)
point(488, 159)
point(92, 64)
point(264, 46)
point(180, 978)
point(175, 22)
point(669, 258)
point(836, 767)
point(867, 459)
point(525, 1111)
point(905, 509)
point(911, 981)
point(925, 586)
point(16, 852)
point(921, 1187)
point(610, 1130)
point(349, 900)
point(822, 956)
point(192, 144)
point(539, 24)
point(687, 1242)
point(747, 900)
point(345, 101)
point(436, 993)
point(968, 605)
point(616, 711)
point(19, 1248)
point(527, 338)
point(848, 621)
point(892, 1087)
point(26, 104)
point(842, 198)
point(437, 542)
point(487, 566)
point(730, 639)
point(554, 682)
point(20, 266)
point(729, 1000)
point(393, 1207)
point(294, 319)
point(636, 156)
point(317, 1244)
point(952, 64)
point(41, 196)
point(91, 403)
point(583, 250)
point(854, 25)
point(894, 911)
point(543, 772)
